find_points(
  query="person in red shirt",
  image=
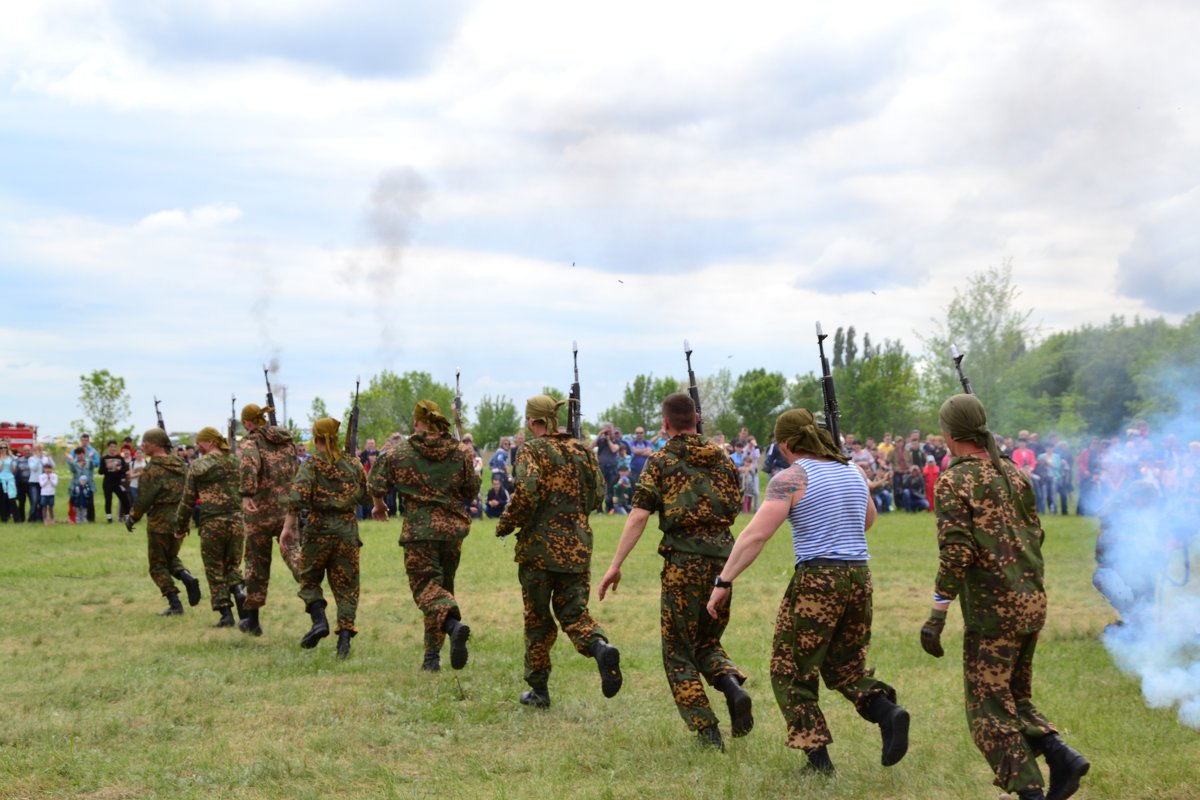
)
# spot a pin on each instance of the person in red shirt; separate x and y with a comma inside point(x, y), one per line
point(931, 473)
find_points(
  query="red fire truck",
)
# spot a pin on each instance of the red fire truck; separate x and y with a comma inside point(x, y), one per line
point(18, 434)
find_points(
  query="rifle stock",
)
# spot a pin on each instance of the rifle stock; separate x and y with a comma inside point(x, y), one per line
point(832, 414)
point(693, 389)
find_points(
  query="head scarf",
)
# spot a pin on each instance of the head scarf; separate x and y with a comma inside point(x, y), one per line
point(214, 436)
point(252, 413)
point(325, 430)
point(964, 419)
point(430, 413)
point(157, 436)
point(797, 428)
point(543, 408)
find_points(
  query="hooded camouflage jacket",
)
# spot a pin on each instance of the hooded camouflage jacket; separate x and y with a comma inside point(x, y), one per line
point(437, 477)
point(557, 483)
point(268, 463)
point(213, 480)
point(695, 490)
point(159, 490)
point(331, 494)
point(990, 547)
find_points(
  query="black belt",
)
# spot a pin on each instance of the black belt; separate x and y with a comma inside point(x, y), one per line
point(829, 562)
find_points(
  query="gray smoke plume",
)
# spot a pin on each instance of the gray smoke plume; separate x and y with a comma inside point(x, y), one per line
point(1147, 537)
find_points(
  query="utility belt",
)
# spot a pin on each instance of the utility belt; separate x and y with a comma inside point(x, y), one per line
point(829, 562)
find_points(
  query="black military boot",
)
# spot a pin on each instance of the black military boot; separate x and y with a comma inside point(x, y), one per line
point(432, 662)
point(226, 620)
point(192, 585)
point(893, 727)
point(249, 623)
point(458, 634)
point(320, 625)
point(343, 645)
point(741, 720)
point(819, 761)
point(538, 697)
point(1031, 794)
point(174, 607)
point(711, 737)
point(238, 591)
point(1067, 767)
point(608, 660)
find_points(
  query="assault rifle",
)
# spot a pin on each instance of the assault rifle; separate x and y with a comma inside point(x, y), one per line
point(458, 404)
point(158, 414)
point(270, 400)
point(832, 415)
point(352, 428)
point(574, 416)
point(233, 424)
point(693, 389)
point(963, 379)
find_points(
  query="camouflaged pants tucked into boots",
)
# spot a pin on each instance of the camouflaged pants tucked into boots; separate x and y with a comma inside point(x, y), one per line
point(691, 639)
point(221, 544)
point(998, 679)
point(431, 566)
point(162, 550)
point(336, 558)
point(823, 631)
point(261, 536)
point(567, 594)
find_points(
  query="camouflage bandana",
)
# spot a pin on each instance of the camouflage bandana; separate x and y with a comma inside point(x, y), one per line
point(325, 429)
point(157, 436)
point(213, 436)
point(965, 420)
point(252, 413)
point(543, 408)
point(797, 428)
point(430, 413)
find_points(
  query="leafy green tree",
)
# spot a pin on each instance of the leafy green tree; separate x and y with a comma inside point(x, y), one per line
point(851, 347)
point(387, 403)
point(839, 348)
point(1169, 383)
point(318, 411)
point(716, 403)
point(496, 417)
point(641, 403)
point(757, 398)
point(105, 403)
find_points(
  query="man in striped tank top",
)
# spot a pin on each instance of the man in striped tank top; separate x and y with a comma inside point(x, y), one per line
point(824, 625)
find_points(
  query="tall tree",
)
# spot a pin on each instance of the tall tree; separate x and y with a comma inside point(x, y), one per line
point(716, 403)
point(851, 347)
point(105, 403)
point(387, 403)
point(757, 397)
point(497, 417)
point(317, 411)
point(641, 403)
point(839, 347)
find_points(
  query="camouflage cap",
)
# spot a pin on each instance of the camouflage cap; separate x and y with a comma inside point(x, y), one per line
point(156, 436)
point(543, 408)
point(213, 436)
point(797, 428)
point(964, 419)
point(325, 431)
point(430, 413)
point(251, 412)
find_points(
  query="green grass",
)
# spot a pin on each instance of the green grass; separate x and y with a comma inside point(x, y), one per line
point(103, 699)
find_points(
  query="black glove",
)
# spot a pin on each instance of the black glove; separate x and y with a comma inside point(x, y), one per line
point(128, 523)
point(931, 633)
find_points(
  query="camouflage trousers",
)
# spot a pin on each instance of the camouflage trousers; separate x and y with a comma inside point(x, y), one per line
point(431, 565)
point(998, 680)
point(823, 631)
point(336, 558)
point(567, 594)
point(221, 544)
point(163, 552)
point(691, 639)
point(261, 535)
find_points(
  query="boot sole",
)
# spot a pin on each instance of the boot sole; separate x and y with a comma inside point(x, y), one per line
point(895, 746)
point(741, 717)
point(255, 630)
point(610, 671)
point(310, 639)
point(458, 646)
point(1071, 785)
point(193, 592)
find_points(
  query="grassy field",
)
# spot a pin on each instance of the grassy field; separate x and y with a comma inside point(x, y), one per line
point(103, 699)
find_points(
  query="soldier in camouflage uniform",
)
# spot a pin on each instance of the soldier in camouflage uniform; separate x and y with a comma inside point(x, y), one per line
point(823, 630)
point(990, 557)
point(159, 489)
point(557, 484)
point(213, 480)
point(436, 476)
point(269, 461)
point(694, 488)
point(329, 486)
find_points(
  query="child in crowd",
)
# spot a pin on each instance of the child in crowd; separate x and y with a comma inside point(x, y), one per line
point(81, 497)
point(622, 492)
point(48, 481)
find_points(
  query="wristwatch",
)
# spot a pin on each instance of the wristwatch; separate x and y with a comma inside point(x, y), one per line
point(720, 584)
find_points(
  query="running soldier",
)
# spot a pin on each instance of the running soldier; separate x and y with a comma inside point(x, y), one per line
point(436, 475)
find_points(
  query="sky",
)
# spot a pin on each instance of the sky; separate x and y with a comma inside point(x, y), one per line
point(190, 190)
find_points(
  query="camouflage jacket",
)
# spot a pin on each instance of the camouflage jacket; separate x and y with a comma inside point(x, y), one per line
point(269, 462)
point(330, 493)
point(557, 483)
point(990, 547)
point(695, 490)
point(437, 477)
point(213, 480)
point(159, 489)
